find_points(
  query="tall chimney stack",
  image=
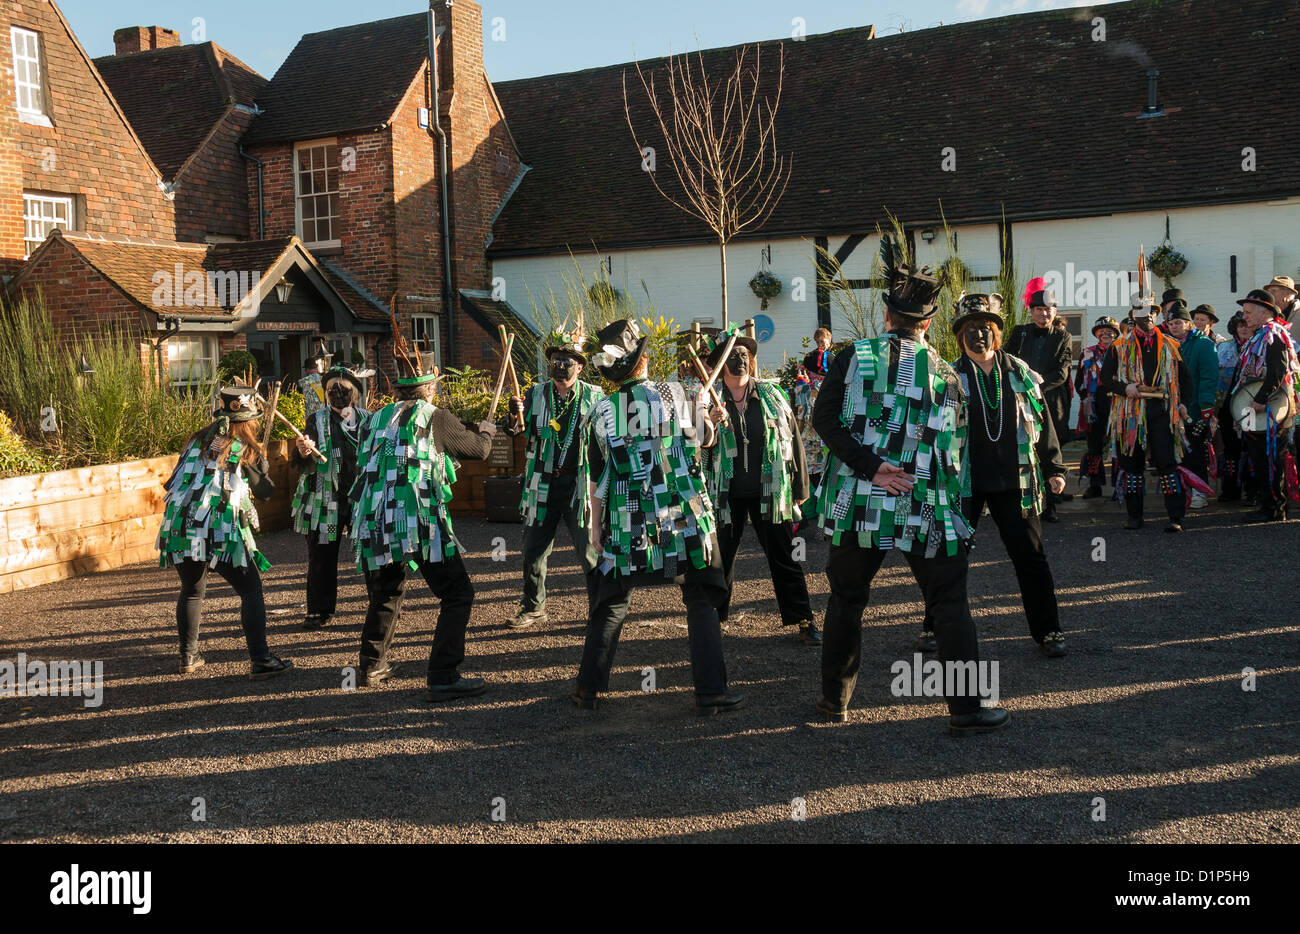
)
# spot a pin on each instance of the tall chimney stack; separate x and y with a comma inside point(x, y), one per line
point(132, 39)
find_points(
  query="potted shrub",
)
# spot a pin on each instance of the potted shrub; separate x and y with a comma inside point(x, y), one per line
point(765, 285)
point(1167, 263)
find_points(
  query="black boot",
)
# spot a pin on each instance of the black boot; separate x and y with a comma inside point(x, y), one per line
point(1133, 502)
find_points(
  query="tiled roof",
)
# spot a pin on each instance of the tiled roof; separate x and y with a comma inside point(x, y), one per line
point(490, 312)
point(174, 96)
point(364, 305)
point(1042, 118)
point(341, 80)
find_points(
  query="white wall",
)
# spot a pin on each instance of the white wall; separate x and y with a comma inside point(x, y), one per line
point(683, 282)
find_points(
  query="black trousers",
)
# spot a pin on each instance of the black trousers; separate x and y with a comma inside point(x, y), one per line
point(850, 570)
point(1232, 476)
point(1271, 494)
point(539, 539)
point(1160, 450)
point(322, 574)
point(450, 583)
point(1023, 538)
point(702, 591)
point(246, 581)
point(777, 542)
point(1195, 458)
point(1094, 465)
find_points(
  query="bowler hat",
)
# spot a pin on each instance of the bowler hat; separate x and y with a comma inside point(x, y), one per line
point(1207, 310)
point(1259, 297)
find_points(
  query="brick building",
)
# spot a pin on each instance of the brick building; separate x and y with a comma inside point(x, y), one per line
point(330, 174)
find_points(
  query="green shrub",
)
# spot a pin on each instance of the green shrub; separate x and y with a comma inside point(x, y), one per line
point(239, 363)
point(17, 457)
point(292, 406)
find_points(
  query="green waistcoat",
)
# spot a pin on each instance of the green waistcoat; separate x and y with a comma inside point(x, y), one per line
point(777, 503)
point(1030, 409)
point(544, 451)
point(317, 498)
point(911, 414)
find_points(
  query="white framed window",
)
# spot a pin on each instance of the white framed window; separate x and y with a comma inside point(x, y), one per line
point(425, 335)
point(191, 360)
point(316, 192)
point(41, 214)
point(29, 80)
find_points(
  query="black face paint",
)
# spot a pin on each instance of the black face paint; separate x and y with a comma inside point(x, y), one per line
point(738, 363)
point(340, 394)
point(563, 367)
point(978, 337)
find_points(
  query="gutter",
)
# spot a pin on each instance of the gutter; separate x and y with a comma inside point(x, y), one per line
point(448, 293)
point(261, 217)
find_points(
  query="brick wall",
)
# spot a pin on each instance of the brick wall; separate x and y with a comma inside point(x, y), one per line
point(89, 152)
point(80, 300)
point(211, 191)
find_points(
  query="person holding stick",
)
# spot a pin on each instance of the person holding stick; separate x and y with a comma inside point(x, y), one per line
point(321, 508)
point(556, 468)
point(651, 517)
point(208, 524)
point(757, 474)
point(401, 523)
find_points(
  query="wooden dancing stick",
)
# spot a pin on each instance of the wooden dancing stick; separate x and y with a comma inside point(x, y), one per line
point(514, 380)
point(294, 428)
point(273, 399)
point(703, 374)
point(501, 378)
point(722, 361)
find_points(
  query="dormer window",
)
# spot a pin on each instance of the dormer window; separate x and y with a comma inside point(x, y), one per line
point(316, 189)
point(29, 76)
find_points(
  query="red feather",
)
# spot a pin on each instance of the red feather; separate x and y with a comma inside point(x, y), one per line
point(1032, 286)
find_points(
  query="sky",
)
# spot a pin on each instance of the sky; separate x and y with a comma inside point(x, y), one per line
point(532, 37)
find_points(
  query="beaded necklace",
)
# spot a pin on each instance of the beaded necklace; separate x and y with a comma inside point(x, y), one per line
point(994, 403)
point(560, 410)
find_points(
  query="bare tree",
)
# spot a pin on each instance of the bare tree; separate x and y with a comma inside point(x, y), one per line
point(720, 135)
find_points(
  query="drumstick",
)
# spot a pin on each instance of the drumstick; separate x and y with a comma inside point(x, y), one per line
point(296, 433)
point(501, 379)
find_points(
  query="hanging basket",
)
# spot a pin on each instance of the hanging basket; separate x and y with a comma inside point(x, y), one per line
point(765, 285)
point(1166, 262)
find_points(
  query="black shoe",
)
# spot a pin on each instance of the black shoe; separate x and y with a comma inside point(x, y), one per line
point(1092, 492)
point(377, 674)
point(1175, 525)
point(461, 687)
point(1263, 515)
point(1053, 645)
point(1133, 522)
point(1049, 514)
point(522, 620)
point(1230, 496)
point(583, 699)
point(809, 634)
point(832, 711)
point(191, 663)
point(706, 705)
point(269, 669)
point(926, 642)
point(316, 620)
point(984, 720)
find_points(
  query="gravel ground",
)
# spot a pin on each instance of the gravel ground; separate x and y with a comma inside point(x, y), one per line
point(1147, 711)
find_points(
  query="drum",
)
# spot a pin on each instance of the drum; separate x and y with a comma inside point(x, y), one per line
point(1250, 420)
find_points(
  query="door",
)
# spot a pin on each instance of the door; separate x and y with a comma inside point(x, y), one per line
point(266, 351)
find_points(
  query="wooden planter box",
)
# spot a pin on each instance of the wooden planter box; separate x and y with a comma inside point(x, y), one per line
point(467, 493)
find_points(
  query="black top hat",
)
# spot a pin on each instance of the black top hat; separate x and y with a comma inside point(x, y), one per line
point(1260, 297)
point(715, 342)
point(1207, 310)
point(237, 402)
point(1173, 295)
point(1043, 298)
point(913, 294)
point(349, 376)
point(978, 306)
point(616, 349)
point(1105, 321)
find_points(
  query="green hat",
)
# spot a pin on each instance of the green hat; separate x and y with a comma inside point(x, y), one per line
point(716, 339)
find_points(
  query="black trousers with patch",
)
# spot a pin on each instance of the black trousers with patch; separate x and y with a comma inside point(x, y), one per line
point(246, 581)
point(450, 583)
point(322, 574)
point(777, 541)
point(1161, 452)
point(850, 570)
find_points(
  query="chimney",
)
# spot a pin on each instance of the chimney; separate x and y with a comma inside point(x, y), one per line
point(1152, 108)
point(132, 39)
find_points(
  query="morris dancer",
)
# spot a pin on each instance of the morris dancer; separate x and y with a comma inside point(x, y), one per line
point(556, 470)
point(400, 522)
point(651, 519)
point(311, 386)
point(891, 414)
point(208, 524)
point(1011, 447)
point(811, 373)
point(1202, 361)
point(1094, 405)
point(321, 508)
point(1146, 361)
point(756, 473)
point(1268, 367)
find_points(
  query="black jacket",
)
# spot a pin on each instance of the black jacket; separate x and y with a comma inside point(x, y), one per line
point(1047, 351)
